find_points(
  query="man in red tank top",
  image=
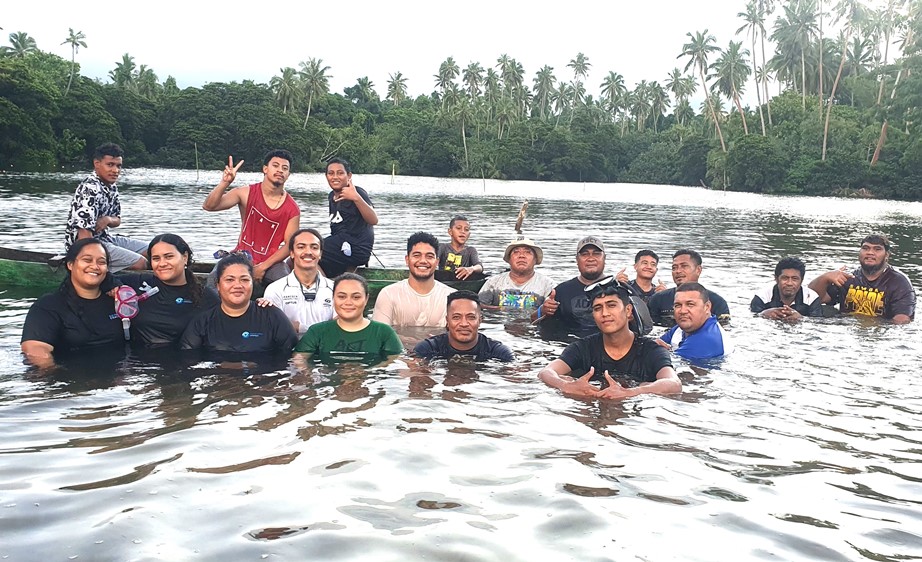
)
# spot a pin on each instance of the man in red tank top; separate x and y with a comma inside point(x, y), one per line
point(268, 214)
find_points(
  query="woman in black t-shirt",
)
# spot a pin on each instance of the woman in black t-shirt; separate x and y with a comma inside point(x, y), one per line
point(163, 317)
point(79, 314)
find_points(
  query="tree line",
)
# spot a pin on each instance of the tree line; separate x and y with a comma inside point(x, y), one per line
point(844, 119)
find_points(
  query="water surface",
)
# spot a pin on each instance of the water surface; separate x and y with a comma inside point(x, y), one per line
point(804, 445)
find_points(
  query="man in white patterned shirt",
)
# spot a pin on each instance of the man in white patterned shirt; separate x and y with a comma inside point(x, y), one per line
point(96, 208)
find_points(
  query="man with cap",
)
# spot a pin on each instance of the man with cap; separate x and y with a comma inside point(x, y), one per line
point(874, 289)
point(521, 287)
point(568, 309)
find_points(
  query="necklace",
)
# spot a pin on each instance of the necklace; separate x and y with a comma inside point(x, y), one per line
point(278, 202)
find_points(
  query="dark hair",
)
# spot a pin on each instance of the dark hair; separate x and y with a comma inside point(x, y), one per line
point(234, 259)
point(694, 287)
point(457, 218)
point(695, 256)
point(342, 161)
point(108, 149)
point(643, 253)
point(877, 239)
point(278, 153)
point(790, 263)
point(422, 238)
point(314, 231)
point(177, 242)
point(350, 277)
point(463, 295)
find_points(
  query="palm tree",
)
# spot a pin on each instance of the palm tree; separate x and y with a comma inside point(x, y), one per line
point(287, 88)
point(755, 25)
point(76, 40)
point(793, 32)
point(315, 81)
point(366, 89)
point(544, 90)
point(492, 93)
point(698, 48)
point(580, 66)
point(562, 97)
point(397, 88)
point(854, 15)
point(473, 79)
point(448, 71)
point(21, 45)
point(731, 71)
point(148, 84)
point(124, 73)
point(640, 103)
point(888, 20)
point(683, 111)
point(613, 90)
point(659, 102)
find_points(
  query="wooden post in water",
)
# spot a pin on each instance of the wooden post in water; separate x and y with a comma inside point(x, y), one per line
point(393, 172)
point(195, 146)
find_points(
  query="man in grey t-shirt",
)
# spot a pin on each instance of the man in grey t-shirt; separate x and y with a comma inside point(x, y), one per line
point(521, 287)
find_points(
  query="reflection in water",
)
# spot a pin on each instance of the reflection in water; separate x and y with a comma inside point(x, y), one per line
point(803, 445)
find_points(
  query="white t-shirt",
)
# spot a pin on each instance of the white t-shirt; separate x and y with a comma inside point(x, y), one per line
point(288, 295)
point(399, 305)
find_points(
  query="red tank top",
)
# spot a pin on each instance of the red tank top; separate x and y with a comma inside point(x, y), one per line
point(263, 229)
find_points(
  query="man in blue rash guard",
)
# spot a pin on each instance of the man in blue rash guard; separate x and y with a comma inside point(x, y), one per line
point(697, 333)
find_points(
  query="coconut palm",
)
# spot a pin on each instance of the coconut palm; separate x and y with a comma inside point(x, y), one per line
point(287, 88)
point(544, 90)
point(315, 81)
point(755, 25)
point(75, 40)
point(640, 105)
point(124, 73)
point(397, 88)
point(148, 85)
point(613, 90)
point(731, 71)
point(699, 47)
point(659, 102)
point(580, 66)
point(492, 93)
point(562, 100)
point(852, 14)
point(683, 112)
point(473, 79)
point(366, 89)
point(793, 32)
point(888, 21)
point(448, 71)
point(21, 45)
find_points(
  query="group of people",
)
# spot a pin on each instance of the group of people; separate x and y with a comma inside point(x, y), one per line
point(314, 304)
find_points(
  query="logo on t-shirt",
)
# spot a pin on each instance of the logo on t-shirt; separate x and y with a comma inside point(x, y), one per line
point(113, 316)
point(453, 261)
point(864, 300)
point(516, 299)
point(336, 218)
point(248, 335)
point(180, 300)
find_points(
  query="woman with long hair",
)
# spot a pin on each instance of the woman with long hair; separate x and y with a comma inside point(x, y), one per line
point(163, 317)
point(238, 324)
point(79, 314)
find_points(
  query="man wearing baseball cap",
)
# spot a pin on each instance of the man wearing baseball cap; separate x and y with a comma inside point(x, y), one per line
point(521, 287)
point(874, 289)
point(568, 308)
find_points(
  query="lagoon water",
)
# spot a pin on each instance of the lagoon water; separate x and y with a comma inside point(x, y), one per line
point(806, 443)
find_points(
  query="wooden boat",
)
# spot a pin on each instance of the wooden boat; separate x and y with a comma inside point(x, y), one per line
point(41, 272)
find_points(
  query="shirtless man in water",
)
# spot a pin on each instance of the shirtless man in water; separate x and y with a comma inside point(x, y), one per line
point(268, 214)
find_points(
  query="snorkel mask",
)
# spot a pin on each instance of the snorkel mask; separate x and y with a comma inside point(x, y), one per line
point(126, 304)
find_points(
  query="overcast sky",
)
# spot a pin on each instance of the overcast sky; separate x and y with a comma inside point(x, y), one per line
point(199, 42)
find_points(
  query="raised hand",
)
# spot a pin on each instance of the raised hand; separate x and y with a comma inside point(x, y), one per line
point(550, 304)
point(614, 391)
point(348, 192)
point(659, 285)
point(581, 387)
point(230, 171)
point(622, 276)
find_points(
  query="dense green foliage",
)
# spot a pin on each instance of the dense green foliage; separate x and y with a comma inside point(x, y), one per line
point(849, 128)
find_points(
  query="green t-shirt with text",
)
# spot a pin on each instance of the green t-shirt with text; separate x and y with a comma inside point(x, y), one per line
point(326, 341)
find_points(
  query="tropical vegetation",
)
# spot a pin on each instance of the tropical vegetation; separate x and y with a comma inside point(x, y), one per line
point(844, 120)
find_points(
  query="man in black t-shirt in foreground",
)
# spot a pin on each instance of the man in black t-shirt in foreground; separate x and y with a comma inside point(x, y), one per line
point(614, 354)
point(463, 340)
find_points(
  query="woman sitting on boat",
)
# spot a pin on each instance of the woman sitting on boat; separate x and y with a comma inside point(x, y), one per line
point(163, 317)
point(79, 314)
point(350, 336)
point(238, 324)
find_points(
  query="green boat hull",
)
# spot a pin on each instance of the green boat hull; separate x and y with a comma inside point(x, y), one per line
point(36, 273)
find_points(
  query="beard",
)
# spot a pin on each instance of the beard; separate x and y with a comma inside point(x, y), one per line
point(423, 277)
point(873, 269)
point(593, 275)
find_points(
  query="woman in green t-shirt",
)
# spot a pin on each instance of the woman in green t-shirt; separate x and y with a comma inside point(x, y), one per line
point(350, 336)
